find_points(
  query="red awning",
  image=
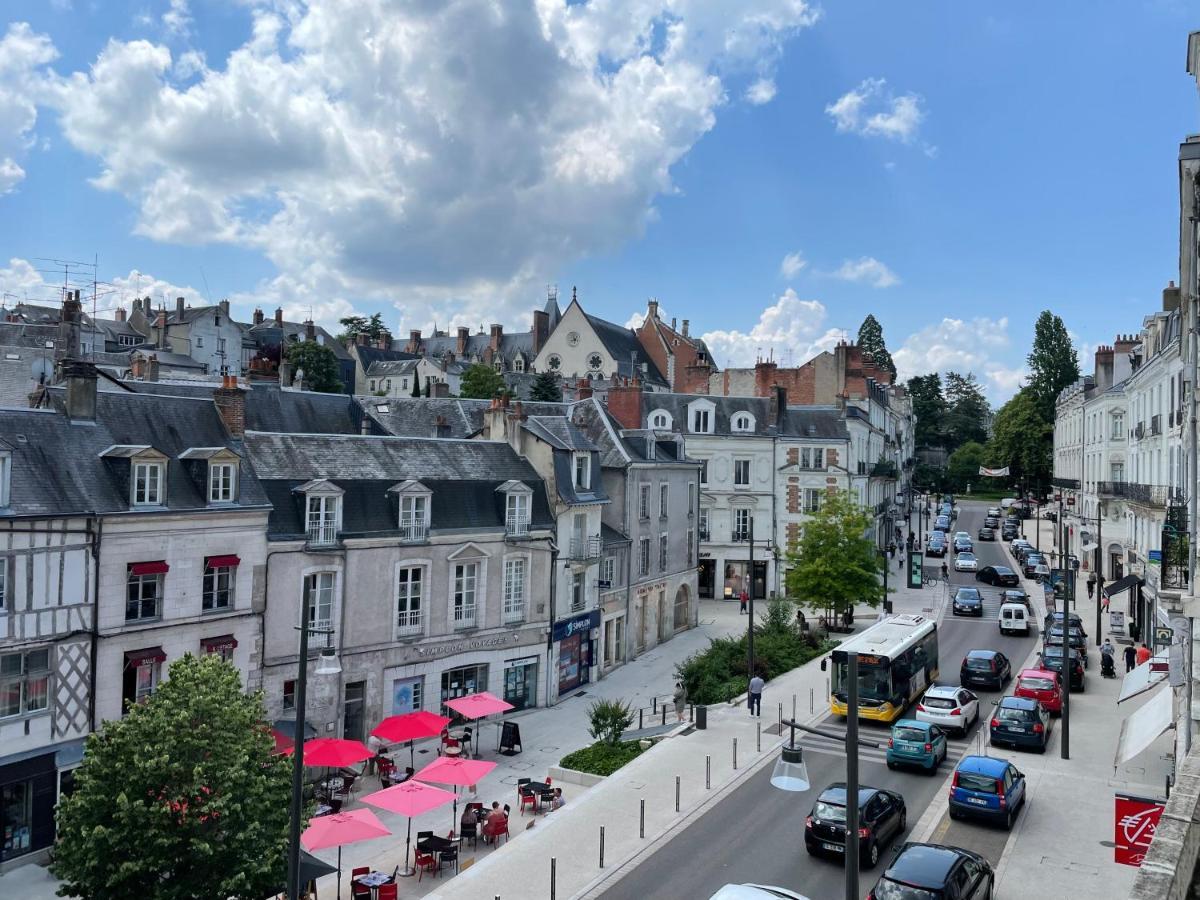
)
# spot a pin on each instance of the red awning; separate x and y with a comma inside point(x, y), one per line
point(145, 657)
point(221, 562)
point(158, 567)
point(213, 644)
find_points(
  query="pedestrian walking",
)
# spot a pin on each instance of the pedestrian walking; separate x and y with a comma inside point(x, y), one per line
point(744, 598)
point(1091, 586)
point(680, 699)
point(1130, 658)
point(754, 696)
point(1143, 654)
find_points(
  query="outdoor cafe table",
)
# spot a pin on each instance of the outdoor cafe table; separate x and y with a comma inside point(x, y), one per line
point(436, 844)
point(373, 880)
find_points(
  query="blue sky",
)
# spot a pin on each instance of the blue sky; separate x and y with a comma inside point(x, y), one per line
point(952, 168)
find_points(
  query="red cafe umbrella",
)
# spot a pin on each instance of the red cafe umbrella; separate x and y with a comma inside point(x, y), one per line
point(410, 727)
point(409, 799)
point(455, 770)
point(342, 828)
point(476, 706)
point(334, 752)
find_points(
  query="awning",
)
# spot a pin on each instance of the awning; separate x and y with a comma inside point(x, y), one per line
point(1143, 727)
point(1144, 677)
point(145, 657)
point(158, 567)
point(213, 644)
point(222, 562)
point(1121, 584)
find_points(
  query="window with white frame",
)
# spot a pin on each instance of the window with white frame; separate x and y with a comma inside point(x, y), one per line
point(691, 499)
point(644, 556)
point(741, 473)
point(702, 420)
point(143, 595)
point(818, 457)
point(643, 501)
point(741, 524)
point(519, 364)
point(663, 496)
point(148, 479)
point(608, 572)
point(812, 499)
point(742, 422)
point(24, 682)
point(583, 470)
point(516, 513)
point(318, 592)
point(691, 546)
point(703, 520)
point(465, 578)
point(660, 421)
point(218, 587)
point(578, 595)
point(514, 589)
point(410, 583)
point(414, 516)
point(222, 482)
point(662, 552)
point(322, 513)
point(1118, 471)
point(1118, 426)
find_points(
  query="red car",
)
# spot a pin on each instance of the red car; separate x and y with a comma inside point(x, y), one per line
point(1041, 685)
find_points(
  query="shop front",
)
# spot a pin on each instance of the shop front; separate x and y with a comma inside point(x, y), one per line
point(520, 682)
point(28, 794)
point(575, 649)
point(737, 579)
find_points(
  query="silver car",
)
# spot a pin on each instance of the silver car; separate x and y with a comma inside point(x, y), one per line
point(755, 892)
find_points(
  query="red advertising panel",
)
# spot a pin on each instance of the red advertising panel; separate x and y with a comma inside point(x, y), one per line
point(1136, 819)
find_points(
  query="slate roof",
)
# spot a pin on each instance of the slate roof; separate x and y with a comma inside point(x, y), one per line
point(510, 345)
point(169, 360)
point(392, 367)
point(368, 355)
point(559, 433)
point(21, 334)
point(463, 476)
point(57, 468)
point(17, 378)
point(609, 536)
point(815, 422)
point(622, 343)
point(564, 481)
point(269, 334)
point(413, 417)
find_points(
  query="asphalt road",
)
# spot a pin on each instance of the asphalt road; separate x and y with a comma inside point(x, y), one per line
point(756, 834)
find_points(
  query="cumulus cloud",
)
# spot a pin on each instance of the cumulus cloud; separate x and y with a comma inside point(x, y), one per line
point(872, 110)
point(761, 92)
point(790, 327)
point(977, 345)
point(436, 155)
point(792, 264)
point(866, 270)
point(23, 58)
point(177, 20)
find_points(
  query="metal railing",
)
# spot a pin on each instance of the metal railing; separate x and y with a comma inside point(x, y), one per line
point(740, 536)
point(1139, 431)
point(1156, 495)
point(884, 469)
point(1070, 484)
point(322, 534)
point(513, 614)
point(516, 526)
point(585, 548)
point(413, 531)
point(409, 623)
point(704, 534)
point(1156, 424)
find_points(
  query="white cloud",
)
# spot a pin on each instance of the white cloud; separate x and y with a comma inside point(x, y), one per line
point(10, 175)
point(978, 345)
point(442, 153)
point(872, 110)
point(177, 20)
point(23, 58)
point(791, 329)
point(866, 270)
point(792, 264)
point(761, 92)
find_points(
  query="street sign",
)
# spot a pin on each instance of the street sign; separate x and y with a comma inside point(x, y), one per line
point(1136, 818)
point(1155, 556)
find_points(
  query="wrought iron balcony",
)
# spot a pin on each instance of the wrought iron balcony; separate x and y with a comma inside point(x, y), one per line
point(413, 532)
point(884, 469)
point(1154, 495)
point(585, 549)
point(704, 534)
point(741, 536)
point(1069, 484)
point(322, 534)
point(517, 526)
point(1156, 424)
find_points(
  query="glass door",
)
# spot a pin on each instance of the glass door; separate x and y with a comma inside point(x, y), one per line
point(352, 714)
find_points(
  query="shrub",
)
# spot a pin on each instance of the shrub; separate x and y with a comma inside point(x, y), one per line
point(610, 719)
point(602, 758)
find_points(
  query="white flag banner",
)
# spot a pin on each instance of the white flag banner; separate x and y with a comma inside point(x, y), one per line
point(993, 473)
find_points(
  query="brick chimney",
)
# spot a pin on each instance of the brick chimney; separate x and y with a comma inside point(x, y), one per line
point(652, 309)
point(179, 307)
point(231, 406)
point(119, 315)
point(257, 318)
point(223, 306)
point(80, 377)
point(161, 320)
point(541, 330)
point(414, 341)
point(384, 342)
point(1170, 298)
point(497, 334)
point(764, 377)
point(310, 330)
point(152, 367)
point(1125, 343)
point(685, 328)
point(279, 317)
point(460, 345)
point(625, 403)
point(777, 404)
point(583, 389)
point(137, 367)
point(362, 339)
point(1104, 367)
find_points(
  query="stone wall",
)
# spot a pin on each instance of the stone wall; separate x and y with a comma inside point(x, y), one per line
point(1166, 873)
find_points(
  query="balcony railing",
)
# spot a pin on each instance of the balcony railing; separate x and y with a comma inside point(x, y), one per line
point(322, 534)
point(514, 613)
point(414, 532)
point(1156, 495)
point(1156, 424)
point(884, 469)
point(1070, 484)
point(704, 534)
point(1139, 431)
point(516, 526)
point(741, 536)
point(409, 623)
point(585, 548)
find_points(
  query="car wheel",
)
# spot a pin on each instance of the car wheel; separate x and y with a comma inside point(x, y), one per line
point(1081, 688)
point(811, 850)
point(1008, 821)
point(903, 821)
point(891, 765)
point(954, 814)
point(871, 859)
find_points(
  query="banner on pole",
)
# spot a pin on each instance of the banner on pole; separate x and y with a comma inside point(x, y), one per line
point(993, 473)
point(1136, 820)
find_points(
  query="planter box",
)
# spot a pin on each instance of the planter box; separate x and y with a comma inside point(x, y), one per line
point(572, 776)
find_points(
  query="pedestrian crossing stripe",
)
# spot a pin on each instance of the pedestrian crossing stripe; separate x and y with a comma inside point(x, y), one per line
point(829, 746)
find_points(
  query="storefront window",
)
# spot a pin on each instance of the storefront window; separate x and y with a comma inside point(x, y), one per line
point(520, 682)
point(463, 681)
point(16, 817)
point(407, 694)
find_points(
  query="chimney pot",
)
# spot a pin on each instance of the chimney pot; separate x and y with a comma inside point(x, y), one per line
point(362, 339)
point(120, 314)
point(651, 309)
point(673, 328)
point(310, 330)
point(80, 376)
point(179, 308)
point(258, 316)
point(279, 316)
point(685, 328)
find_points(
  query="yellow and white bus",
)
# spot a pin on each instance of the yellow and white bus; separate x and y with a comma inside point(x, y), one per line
point(897, 660)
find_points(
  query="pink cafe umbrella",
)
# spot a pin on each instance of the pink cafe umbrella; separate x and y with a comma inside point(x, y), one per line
point(410, 799)
point(410, 727)
point(456, 771)
point(476, 706)
point(342, 828)
point(333, 753)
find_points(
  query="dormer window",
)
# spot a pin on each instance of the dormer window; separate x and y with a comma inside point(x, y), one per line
point(519, 363)
point(222, 482)
point(518, 499)
point(149, 477)
point(743, 422)
point(322, 511)
point(583, 471)
point(219, 480)
point(660, 420)
point(701, 415)
point(413, 508)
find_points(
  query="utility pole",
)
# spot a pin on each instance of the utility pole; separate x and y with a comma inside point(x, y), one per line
point(852, 777)
point(1066, 634)
point(750, 623)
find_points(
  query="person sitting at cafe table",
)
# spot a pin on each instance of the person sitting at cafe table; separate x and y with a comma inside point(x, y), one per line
point(557, 801)
point(496, 816)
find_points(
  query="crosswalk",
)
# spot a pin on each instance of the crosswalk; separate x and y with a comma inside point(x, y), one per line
point(956, 749)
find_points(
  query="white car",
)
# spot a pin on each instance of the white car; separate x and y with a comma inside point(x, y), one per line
point(966, 562)
point(995, 512)
point(949, 707)
point(962, 536)
point(755, 892)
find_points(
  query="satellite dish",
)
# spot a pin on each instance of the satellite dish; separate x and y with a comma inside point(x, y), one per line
point(42, 370)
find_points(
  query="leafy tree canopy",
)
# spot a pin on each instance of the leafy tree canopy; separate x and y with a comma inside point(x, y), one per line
point(1053, 362)
point(835, 564)
point(962, 469)
point(870, 341)
point(353, 325)
point(929, 408)
point(546, 388)
point(481, 382)
point(967, 410)
point(182, 798)
point(1022, 439)
point(319, 364)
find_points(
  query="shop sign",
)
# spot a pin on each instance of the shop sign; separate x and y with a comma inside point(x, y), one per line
point(483, 643)
point(1136, 820)
point(580, 624)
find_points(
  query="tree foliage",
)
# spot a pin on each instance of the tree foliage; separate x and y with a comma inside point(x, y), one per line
point(929, 409)
point(870, 341)
point(481, 382)
point(354, 325)
point(1022, 439)
point(182, 798)
point(966, 411)
point(319, 364)
point(835, 564)
point(546, 388)
point(962, 469)
point(608, 720)
point(1053, 362)
point(416, 388)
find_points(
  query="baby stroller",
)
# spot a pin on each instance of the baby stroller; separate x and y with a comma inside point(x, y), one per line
point(1107, 668)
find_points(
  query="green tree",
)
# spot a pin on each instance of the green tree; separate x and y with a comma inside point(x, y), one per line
point(182, 798)
point(416, 391)
point(1053, 362)
point(835, 564)
point(870, 341)
point(929, 409)
point(319, 364)
point(962, 468)
point(608, 720)
point(966, 413)
point(353, 325)
point(546, 388)
point(1022, 439)
point(481, 382)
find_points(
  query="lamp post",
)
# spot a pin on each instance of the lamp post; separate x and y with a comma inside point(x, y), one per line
point(750, 623)
point(327, 665)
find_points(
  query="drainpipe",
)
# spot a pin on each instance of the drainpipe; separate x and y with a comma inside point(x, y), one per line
point(95, 630)
point(1193, 456)
point(550, 668)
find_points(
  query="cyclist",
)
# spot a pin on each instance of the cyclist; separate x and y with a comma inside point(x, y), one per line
point(945, 571)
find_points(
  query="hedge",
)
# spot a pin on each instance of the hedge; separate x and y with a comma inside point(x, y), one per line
point(601, 758)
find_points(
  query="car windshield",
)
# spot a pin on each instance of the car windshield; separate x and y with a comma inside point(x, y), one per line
point(939, 703)
point(892, 890)
point(1037, 684)
point(830, 812)
point(966, 557)
point(1008, 714)
point(966, 594)
point(972, 781)
point(908, 734)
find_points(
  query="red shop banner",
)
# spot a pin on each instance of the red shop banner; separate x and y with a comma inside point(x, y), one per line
point(1136, 820)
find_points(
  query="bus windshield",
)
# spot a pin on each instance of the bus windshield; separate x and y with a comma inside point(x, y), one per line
point(874, 682)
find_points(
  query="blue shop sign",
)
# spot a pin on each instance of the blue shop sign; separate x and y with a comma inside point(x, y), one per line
point(579, 624)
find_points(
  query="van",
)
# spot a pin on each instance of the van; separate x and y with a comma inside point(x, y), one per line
point(1014, 618)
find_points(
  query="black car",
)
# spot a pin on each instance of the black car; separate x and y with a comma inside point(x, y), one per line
point(882, 817)
point(1077, 639)
point(1020, 722)
point(1052, 660)
point(1056, 618)
point(989, 668)
point(1016, 595)
point(1000, 576)
point(935, 872)
point(936, 546)
point(1008, 532)
point(968, 602)
point(986, 533)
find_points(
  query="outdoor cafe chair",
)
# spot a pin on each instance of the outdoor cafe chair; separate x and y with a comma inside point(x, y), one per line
point(387, 891)
point(359, 870)
point(359, 891)
point(449, 856)
point(469, 831)
point(426, 862)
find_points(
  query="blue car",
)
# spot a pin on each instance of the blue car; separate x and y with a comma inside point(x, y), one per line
point(916, 743)
point(988, 788)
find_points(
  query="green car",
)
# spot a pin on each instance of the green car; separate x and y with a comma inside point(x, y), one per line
point(916, 743)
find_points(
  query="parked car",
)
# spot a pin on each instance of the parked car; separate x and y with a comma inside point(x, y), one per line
point(1041, 685)
point(916, 743)
point(1014, 617)
point(1030, 563)
point(1000, 576)
point(968, 602)
point(994, 512)
point(1008, 532)
point(1020, 722)
point(965, 561)
point(755, 892)
point(941, 523)
point(988, 788)
point(992, 522)
point(936, 545)
point(935, 872)
point(1056, 618)
point(1052, 660)
point(882, 817)
point(949, 707)
point(1016, 595)
point(989, 668)
point(1076, 638)
point(986, 533)
point(1016, 545)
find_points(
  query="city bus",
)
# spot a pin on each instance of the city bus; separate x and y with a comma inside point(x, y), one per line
point(897, 660)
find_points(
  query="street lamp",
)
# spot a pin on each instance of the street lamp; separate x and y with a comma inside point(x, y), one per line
point(327, 664)
point(791, 774)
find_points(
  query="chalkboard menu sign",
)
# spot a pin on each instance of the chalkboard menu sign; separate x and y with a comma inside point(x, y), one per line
point(510, 739)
